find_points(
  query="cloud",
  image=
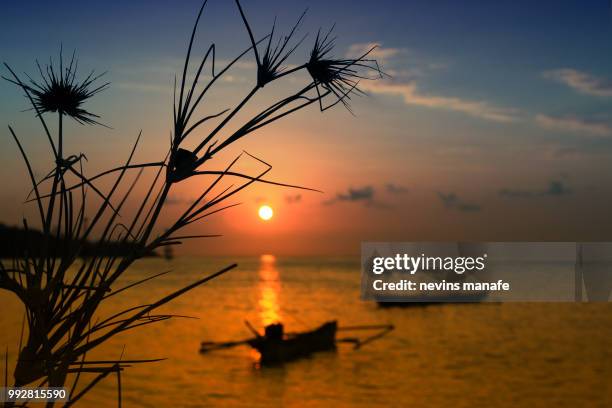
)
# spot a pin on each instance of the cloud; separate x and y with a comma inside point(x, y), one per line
point(363, 194)
point(179, 200)
point(144, 87)
point(394, 61)
point(368, 196)
point(157, 76)
point(581, 81)
point(396, 189)
point(411, 96)
point(452, 202)
point(406, 87)
point(357, 194)
point(166, 87)
point(556, 188)
point(292, 199)
point(379, 53)
point(573, 124)
point(168, 67)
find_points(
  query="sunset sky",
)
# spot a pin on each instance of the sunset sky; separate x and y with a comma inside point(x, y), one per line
point(495, 123)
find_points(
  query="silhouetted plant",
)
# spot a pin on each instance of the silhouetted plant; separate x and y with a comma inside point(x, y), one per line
point(61, 290)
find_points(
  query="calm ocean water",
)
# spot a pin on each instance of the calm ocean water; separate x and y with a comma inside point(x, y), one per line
point(508, 355)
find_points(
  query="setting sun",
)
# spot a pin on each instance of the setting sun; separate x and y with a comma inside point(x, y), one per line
point(265, 212)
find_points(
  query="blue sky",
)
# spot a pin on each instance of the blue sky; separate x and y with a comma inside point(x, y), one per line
point(484, 98)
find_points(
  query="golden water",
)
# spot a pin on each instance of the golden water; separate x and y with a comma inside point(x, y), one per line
point(509, 355)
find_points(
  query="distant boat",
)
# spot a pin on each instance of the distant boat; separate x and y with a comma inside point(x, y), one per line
point(422, 299)
point(428, 300)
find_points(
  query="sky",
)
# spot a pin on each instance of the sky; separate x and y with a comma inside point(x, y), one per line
point(493, 124)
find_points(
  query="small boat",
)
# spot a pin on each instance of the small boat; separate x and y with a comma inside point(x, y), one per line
point(276, 347)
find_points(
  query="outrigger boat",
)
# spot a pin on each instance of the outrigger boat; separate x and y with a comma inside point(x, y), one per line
point(276, 347)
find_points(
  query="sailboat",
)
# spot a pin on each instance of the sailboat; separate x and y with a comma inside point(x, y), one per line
point(593, 273)
point(578, 273)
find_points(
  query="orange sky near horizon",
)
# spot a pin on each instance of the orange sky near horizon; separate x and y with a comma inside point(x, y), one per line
point(450, 147)
point(323, 154)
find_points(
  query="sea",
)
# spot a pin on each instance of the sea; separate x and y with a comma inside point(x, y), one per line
point(460, 355)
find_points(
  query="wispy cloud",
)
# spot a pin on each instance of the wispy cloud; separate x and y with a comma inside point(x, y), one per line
point(369, 196)
point(405, 71)
point(179, 200)
point(556, 188)
point(362, 194)
point(147, 76)
point(574, 124)
point(144, 87)
point(379, 53)
point(581, 81)
point(412, 96)
point(452, 202)
point(174, 66)
point(166, 87)
point(357, 194)
point(293, 199)
point(400, 63)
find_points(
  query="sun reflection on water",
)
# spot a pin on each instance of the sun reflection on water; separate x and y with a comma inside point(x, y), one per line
point(269, 290)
